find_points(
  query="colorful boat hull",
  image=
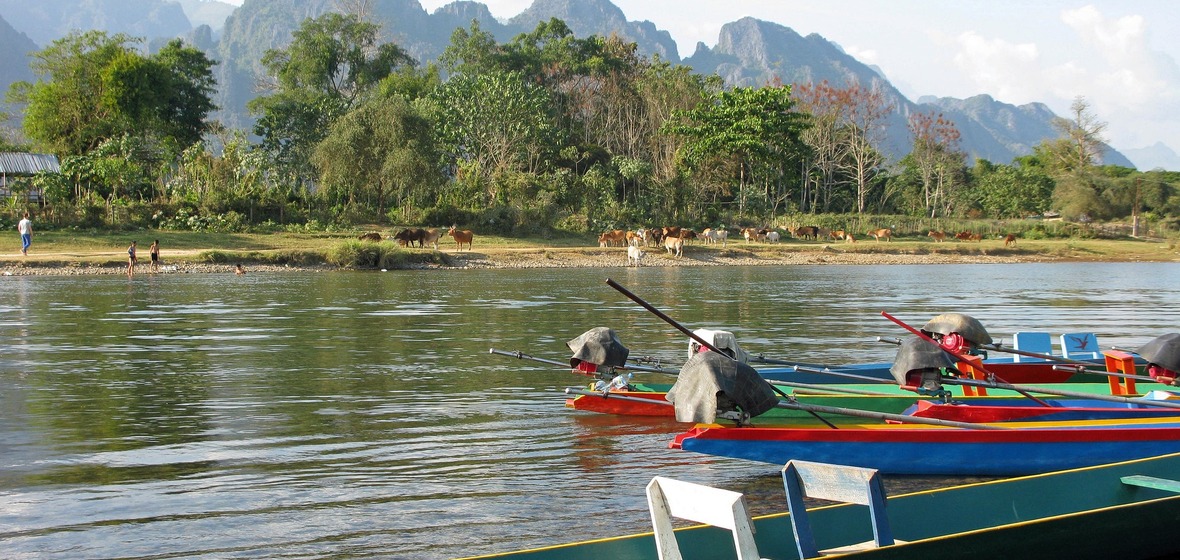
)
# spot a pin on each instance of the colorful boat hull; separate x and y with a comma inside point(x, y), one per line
point(1028, 411)
point(893, 400)
point(1041, 516)
point(1034, 447)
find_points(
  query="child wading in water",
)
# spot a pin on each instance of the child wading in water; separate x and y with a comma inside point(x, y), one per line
point(131, 260)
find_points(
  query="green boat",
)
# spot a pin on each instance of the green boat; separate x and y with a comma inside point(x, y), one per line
point(647, 399)
point(1121, 510)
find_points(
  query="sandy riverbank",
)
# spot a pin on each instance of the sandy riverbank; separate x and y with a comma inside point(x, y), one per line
point(188, 262)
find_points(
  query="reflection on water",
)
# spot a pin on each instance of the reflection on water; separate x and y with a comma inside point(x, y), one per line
point(360, 415)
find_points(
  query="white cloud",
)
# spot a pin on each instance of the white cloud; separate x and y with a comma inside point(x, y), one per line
point(1005, 70)
point(1127, 83)
point(865, 55)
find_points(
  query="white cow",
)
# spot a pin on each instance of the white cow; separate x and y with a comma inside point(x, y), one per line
point(772, 236)
point(634, 255)
point(715, 235)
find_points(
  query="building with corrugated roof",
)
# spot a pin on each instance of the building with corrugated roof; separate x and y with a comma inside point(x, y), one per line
point(14, 165)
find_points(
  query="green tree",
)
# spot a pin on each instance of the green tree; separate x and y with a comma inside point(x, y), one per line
point(333, 61)
point(93, 87)
point(1011, 191)
point(492, 124)
point(745, 131)
point(382, 152)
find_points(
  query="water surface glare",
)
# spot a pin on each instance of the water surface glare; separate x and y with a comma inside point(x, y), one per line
point(360, 415)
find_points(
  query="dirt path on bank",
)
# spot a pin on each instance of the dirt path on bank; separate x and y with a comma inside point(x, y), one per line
point(733, 254)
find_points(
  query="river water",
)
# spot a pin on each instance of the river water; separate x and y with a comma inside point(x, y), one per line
point(360, 415)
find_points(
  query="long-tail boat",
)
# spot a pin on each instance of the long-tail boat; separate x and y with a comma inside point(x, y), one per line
point(1124, 510)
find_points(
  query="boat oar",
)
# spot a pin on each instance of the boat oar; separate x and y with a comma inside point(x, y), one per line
point(661, 315)
point(689, 333)
point(523, 356)
point(826, 371)
point(816, 409)
point(957, 355)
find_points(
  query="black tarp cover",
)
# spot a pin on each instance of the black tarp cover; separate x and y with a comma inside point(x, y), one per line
point(917, 354)
point(1163, 351)
point(967, 326)
point(706, 375)
point(599, 345)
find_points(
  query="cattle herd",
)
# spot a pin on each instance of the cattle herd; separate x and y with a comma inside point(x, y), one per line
point(674, 238)
point(408, 237)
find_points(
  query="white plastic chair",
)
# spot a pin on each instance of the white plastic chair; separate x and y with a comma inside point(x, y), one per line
point(668, 498)
point(840, 483)
point(1080, 346)
point(1032, 341)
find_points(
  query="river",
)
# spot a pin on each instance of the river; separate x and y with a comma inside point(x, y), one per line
point(360, 415)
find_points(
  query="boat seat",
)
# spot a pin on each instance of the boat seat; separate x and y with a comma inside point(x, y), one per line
point(839, 483)
point(1080, 346)
point(668, 498)
point(1145, 481)
point(1032, 341)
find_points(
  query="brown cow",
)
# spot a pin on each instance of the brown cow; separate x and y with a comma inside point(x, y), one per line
point(370, 236)
point(612, 238)
point(938, 236)
point(806, 232)
point(837, 235)
point(753, 234)
point(1009, 239)
point(963, 236)
point(408, 236)
point(883, 232)
point(461, 237)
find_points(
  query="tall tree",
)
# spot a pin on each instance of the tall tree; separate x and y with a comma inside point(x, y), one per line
point(93, 87)
point(493, 123)
point(937, 158)
point(331, 63)
point(865, 126)
point(746, 130)
point(383, 152)
point(1081, 143)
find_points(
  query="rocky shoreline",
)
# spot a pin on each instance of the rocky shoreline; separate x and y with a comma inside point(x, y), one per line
point(563, 257)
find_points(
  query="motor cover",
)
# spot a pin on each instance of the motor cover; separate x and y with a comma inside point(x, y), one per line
point(920, 364)
point(967, 327)
point(710, 383)
point(600, 346)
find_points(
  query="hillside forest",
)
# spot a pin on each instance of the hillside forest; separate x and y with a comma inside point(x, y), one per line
point(544, 134)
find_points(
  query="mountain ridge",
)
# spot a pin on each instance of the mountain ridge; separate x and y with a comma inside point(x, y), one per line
point(749, 52)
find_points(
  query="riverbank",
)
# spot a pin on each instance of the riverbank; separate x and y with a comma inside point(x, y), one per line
point(283, 253)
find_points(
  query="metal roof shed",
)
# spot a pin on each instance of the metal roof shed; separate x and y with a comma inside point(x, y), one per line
point(24, 164)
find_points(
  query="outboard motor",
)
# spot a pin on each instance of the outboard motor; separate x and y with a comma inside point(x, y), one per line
point(597, 348)
point(957, 332)
point(922, 365)
point(711, 385)
point(1163, 357)
point(724, 341)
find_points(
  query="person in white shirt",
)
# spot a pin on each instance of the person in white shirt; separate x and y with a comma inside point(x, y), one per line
point(25, 227)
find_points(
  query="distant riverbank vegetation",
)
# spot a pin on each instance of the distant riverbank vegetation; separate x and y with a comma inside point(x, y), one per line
point(544, 135)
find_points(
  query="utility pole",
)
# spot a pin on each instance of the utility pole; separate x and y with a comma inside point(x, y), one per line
point(1135, 210)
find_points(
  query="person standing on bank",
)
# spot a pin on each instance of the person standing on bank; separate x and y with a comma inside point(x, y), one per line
point(25, 227)
point(154, 253)
point(131, 260)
